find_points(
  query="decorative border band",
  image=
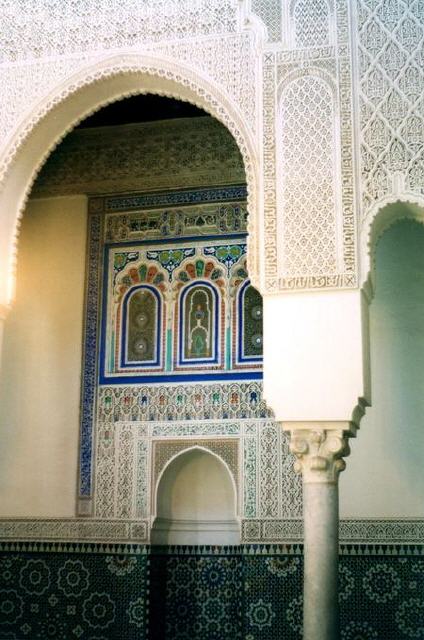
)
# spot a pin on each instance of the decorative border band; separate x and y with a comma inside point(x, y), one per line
point(74, 529)
point(290, 549)
point(406, 532)
point(351, 530)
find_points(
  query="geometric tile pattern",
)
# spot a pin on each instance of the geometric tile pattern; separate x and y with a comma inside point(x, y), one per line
point(381, 598)
point(196, 597)
point(73, 596)
point(174, 593)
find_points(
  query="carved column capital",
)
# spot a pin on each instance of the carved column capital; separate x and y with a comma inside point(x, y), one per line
point(320, 452)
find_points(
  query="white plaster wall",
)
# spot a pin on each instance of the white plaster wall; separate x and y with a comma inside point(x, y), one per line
point(41, 364)
point(313, 348)
point(385, 472)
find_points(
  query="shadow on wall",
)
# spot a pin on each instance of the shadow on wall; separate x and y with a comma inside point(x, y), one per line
point(196, 502)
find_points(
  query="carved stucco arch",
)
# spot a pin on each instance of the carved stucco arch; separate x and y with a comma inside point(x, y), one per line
point(90, 89)
point(383, 214)
point(183, 452)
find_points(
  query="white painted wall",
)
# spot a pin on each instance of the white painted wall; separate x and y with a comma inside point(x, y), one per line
point(41, 364)
point(313, 355)
point(196, 502)
point(385, 472)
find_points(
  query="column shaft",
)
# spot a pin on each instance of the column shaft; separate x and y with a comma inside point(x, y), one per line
point(319, 451)
point(321, 549)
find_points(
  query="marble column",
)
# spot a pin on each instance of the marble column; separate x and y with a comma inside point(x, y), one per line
point(319, 451)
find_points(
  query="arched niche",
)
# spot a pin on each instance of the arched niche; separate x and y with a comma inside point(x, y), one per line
point(196, 501)
point(384, 475)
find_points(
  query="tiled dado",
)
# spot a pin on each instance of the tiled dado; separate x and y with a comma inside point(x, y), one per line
point(248, 592)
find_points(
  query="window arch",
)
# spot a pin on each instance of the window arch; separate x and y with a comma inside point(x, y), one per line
point(249, 330)
point(199, 325)
point(141, 328)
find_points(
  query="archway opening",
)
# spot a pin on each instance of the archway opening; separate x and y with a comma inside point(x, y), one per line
point(200, 169)
point(392, 437)
point(196, 502)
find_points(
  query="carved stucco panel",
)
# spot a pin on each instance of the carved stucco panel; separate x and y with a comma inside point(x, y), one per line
point(312, 247)
point(391, 77)
point(387, 38)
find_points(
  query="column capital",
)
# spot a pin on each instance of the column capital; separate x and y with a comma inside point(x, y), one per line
point(319, 448)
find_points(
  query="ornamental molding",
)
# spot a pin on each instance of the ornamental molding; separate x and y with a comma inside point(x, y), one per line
point(386, 536)
point(134, 24)
point(352, 531)
point(131, 456)
point(309, 228)
point(73, 529)
point(388, 44)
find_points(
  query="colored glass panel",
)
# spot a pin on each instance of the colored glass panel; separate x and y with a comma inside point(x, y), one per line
point(252, 323)
point(142, 335)
point(199, 324)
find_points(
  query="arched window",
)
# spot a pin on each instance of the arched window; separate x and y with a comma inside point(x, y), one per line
point(249, 324)
point(199, 324)
point(141, 328)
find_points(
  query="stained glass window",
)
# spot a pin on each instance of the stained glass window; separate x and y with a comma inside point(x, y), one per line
point(142, 326)
point(250, 321)
point(199, 324)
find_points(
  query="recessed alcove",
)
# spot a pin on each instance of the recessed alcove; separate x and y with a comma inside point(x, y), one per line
point(196, 502)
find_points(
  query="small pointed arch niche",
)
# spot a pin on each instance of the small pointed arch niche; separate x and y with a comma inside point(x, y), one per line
point(196, 501)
